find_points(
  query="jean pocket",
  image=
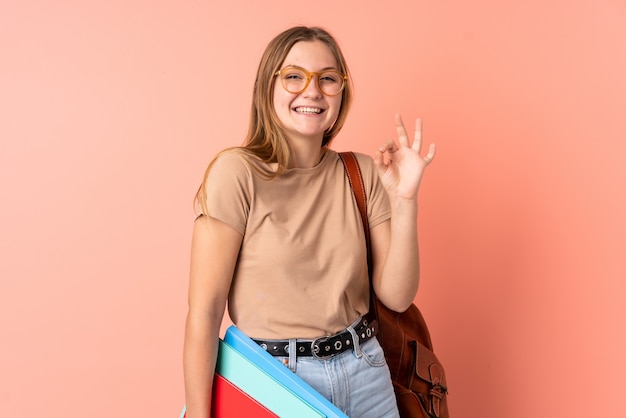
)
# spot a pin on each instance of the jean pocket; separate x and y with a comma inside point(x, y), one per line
point(373, 353)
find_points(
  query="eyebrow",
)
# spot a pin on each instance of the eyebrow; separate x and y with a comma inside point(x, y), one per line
point(323, 69)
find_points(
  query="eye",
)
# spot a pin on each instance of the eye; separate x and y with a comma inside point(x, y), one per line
point(330, 77)
point(293, 75)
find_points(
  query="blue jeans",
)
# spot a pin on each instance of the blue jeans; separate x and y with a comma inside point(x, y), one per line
point(356, 381)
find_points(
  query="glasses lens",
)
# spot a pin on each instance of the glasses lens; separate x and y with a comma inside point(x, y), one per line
point(294, 79)
point(331, 83)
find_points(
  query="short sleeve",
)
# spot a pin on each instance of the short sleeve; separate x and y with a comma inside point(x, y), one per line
point(378, 207)
point(228, 187)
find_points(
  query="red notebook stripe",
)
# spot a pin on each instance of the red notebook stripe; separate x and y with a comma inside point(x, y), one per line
point(231, 402)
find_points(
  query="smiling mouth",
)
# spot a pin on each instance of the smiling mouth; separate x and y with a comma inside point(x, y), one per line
point(309, 110)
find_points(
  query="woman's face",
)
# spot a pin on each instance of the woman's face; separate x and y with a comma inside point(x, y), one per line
point(307, 115)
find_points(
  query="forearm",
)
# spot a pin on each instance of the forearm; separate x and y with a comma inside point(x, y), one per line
point(400, 273)
point(199, 358)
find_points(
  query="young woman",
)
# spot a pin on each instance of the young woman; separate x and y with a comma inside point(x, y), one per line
point(280, 238)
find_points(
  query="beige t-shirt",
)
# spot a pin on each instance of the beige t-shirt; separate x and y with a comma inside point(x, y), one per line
point(302, 267)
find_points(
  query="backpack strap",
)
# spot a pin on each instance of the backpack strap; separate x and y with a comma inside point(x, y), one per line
point(353, 172)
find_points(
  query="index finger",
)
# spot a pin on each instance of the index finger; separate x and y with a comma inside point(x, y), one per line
point(403, 137)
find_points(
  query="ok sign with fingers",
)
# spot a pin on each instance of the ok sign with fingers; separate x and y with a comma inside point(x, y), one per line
point(400, 165)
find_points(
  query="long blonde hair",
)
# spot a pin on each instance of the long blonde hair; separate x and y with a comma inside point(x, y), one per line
point(265, 138)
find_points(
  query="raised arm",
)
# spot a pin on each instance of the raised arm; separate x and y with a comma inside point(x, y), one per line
point(214, 250)
point(395, 249)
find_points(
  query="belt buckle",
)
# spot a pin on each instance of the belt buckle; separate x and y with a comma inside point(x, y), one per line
point(315, 348)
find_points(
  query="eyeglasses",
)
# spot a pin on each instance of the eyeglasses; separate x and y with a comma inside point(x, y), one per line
point(296, 79)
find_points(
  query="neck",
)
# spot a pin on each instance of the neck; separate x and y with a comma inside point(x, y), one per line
point(305, 153)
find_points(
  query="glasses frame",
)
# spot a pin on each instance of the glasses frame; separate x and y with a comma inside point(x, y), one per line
point(309, 76)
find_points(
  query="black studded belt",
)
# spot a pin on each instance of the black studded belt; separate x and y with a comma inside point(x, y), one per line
point(323, 347)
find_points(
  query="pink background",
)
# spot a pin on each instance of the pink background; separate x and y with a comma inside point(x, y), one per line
point(110, 111)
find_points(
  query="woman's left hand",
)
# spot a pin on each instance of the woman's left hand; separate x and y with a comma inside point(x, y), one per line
point(400, 166)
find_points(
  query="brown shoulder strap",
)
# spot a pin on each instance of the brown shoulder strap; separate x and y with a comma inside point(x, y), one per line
point(355, 178)
point(353, 171)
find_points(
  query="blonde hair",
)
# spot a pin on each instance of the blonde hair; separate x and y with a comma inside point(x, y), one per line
point(265, 138)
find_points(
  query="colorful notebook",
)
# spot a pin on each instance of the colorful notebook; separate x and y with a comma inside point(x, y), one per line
point(263, 360)
point(265, 382)
point(247, 376)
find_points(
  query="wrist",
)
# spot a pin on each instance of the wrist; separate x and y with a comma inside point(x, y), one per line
point(400, 205)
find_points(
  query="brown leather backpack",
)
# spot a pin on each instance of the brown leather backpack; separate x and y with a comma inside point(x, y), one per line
point(418, 377)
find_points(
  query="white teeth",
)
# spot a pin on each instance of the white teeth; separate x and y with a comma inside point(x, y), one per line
point(308, 110)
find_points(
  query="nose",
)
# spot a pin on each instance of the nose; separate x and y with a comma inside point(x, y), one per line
point(313, 89)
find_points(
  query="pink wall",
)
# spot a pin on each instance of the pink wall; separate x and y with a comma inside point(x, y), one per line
point(109, 112)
